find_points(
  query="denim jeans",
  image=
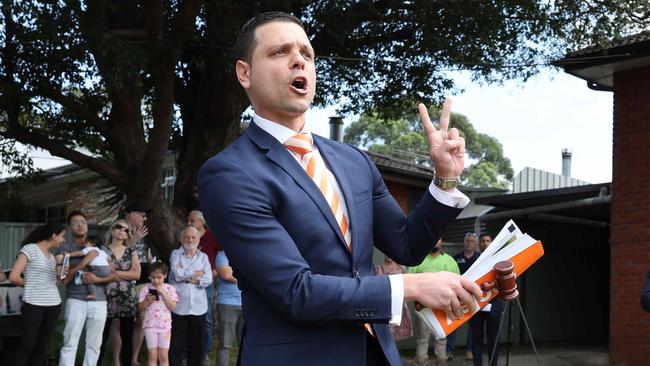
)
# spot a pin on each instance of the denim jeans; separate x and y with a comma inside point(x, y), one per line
point(209, 325)
point(451, 340)
point(231, 324)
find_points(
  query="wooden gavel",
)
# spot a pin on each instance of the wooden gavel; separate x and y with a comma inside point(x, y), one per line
point(505, 282)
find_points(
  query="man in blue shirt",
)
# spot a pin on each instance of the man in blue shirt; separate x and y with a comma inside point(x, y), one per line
point(229, 312)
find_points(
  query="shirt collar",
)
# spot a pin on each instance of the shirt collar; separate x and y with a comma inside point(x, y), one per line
point(278, 131)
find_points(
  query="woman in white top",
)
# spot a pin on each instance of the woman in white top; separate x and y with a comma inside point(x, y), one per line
point(41, 300)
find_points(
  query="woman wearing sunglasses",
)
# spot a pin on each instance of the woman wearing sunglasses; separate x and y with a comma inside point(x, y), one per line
point(121, 295)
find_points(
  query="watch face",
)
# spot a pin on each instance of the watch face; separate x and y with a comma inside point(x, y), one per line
point(445, 183)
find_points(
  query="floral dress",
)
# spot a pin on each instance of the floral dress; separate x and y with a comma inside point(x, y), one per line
point(121, 297)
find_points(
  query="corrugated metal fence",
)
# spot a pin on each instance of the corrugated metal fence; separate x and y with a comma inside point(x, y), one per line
point(13, 233)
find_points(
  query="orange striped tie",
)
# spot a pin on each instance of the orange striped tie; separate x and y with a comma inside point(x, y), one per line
point(302, 144)
point(312, 162)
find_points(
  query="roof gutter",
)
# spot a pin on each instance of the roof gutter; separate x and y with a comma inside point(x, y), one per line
point(598, 87)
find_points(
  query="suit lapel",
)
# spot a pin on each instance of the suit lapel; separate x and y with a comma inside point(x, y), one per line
point(278, 154)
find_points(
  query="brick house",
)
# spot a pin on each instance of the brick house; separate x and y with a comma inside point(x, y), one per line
point(623, 67)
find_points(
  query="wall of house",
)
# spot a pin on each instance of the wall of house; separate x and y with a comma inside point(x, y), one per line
point(630, 234)
point(88, 196)
point(400, 192)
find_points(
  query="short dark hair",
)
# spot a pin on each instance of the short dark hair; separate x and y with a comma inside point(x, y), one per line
point(94, 240)
point(484, 234)
point(159, 266)
point(76, 213)
point(246, 39)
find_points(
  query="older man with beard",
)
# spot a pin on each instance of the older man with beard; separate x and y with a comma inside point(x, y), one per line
point(190, 274)
point(209, 245)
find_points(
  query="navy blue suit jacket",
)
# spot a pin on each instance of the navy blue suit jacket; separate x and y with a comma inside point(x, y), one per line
point(304, 295)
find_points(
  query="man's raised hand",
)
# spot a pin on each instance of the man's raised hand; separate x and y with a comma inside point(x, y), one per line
point(446, 146)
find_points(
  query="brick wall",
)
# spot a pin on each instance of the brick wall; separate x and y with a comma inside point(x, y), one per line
point(399, 191)
point(629, 333)
point(87, 196)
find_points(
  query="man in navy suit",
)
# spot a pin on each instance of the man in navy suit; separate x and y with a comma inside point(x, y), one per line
point(301, 246)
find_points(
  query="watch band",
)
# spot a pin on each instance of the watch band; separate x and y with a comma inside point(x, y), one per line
point(445, 183)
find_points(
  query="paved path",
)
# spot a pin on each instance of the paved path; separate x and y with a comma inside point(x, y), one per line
point(548, 356)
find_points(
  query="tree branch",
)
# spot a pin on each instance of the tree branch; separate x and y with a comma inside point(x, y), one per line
point(101, 166)
point(164, 57)
point(70, 103)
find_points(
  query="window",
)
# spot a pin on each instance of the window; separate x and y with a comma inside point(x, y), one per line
point(54, 213)
point(167, 183)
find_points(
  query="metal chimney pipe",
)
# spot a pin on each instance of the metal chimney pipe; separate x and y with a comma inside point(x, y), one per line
point(566, 162)
point(336, 128)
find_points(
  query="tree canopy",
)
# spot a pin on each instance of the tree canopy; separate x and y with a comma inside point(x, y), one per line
point(404, 138)
point(114, 85)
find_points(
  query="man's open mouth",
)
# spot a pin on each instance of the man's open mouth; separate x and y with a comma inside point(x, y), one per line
point(299, 84)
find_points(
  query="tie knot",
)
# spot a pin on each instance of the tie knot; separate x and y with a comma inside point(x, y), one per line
point(301, 144)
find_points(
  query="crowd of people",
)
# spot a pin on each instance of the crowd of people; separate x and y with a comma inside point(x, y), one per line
point(122, 294)
point(120, 288)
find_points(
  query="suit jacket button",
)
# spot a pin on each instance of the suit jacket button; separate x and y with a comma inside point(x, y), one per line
point(356, 272)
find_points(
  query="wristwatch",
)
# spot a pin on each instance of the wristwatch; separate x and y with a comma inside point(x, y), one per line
point(445, 183)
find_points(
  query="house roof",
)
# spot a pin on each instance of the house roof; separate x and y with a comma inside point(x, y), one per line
point(398, 169)
point(385, 164)
point(600, 211)
point(597, 64)
point(389, 164)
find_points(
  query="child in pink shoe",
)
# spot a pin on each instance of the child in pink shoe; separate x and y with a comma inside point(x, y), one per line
point(158, 299)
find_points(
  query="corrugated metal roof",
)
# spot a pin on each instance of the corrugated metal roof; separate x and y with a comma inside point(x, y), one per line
point(531, 179)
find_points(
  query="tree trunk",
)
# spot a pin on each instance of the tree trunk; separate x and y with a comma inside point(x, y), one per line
point(165, 224)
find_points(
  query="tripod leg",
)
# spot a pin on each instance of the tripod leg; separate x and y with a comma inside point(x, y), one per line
point(530, 335)
point(509, 308)
point(496, 339)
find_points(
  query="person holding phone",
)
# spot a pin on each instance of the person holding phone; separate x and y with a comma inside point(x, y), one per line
point(157, 300)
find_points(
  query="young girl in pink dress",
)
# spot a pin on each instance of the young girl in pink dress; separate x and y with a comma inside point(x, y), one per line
point(157, 299)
